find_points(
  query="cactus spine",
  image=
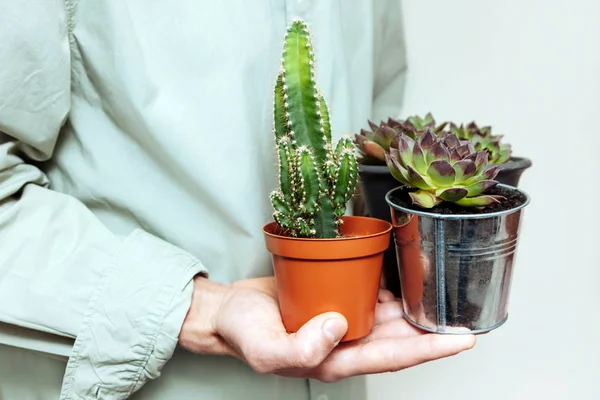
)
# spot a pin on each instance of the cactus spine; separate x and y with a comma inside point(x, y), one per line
point(316, 180)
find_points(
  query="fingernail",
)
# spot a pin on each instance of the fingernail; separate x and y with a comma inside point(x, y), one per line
point(334, 329)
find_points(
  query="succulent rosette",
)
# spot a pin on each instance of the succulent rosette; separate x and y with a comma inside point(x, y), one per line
point(442, 168)
point(373, 145)
point(483, 139)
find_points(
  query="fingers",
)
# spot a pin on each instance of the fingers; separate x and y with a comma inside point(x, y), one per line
point(388, 311)
point(389, 355)
point(305, 349)
point(395, 328)
point(385, 296)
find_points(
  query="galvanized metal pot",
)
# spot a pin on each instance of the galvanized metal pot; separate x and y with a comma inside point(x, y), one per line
point(455, 270)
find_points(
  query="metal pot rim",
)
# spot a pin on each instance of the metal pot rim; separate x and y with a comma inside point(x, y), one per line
point(460, 216)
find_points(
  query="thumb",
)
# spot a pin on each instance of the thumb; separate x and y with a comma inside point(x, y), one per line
point(316, 339)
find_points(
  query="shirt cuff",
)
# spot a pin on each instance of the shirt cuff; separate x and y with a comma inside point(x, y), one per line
point(131, 327)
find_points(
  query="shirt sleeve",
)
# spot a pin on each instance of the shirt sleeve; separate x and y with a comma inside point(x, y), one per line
point(123, 299)
point(390, 59)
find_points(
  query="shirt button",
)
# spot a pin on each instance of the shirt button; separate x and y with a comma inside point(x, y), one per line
point(322, 397)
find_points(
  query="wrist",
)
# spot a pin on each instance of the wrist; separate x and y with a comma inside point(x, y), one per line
point(199, 332)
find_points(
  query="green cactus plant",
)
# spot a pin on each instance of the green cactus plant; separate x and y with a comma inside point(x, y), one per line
point(443, 168)
point(483, 139)
point(316, 179)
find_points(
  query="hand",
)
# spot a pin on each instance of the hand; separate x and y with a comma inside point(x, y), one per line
point(243, 320)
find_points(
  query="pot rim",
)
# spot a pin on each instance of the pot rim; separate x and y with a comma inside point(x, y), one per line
point(515, 163)
point(373, 169)
point(341, 239)
point(460, 216)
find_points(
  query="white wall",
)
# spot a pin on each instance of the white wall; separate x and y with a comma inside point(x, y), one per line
point(531, 69)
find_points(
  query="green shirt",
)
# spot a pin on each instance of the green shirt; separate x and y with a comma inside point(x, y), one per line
point(135, 152)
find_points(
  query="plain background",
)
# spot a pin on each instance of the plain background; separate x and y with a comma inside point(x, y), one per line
point(531, 69)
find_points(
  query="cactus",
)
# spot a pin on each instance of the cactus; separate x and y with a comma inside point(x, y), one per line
point(316, 180)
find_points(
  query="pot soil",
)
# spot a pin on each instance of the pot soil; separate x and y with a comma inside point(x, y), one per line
point(456, 264)
point(315, 276)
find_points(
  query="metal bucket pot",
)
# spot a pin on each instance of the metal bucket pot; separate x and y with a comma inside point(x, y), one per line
point(456, 270)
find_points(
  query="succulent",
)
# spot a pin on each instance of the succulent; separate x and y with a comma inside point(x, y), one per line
point(422, 124)
point(483, 139)
point(373, 145)
point(443, 168)
point(316, 179)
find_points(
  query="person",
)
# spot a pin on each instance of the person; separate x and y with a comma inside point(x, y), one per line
point(136, 158)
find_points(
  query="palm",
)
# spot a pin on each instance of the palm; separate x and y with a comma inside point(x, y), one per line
point(253, 321)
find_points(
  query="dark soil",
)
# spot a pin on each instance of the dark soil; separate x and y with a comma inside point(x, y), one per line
point(513, 199)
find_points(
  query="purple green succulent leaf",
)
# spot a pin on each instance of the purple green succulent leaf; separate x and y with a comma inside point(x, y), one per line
point(418, 159)
point(481, 162)
point(464, 150)
point(451, 141)
point(440, 127)
point(454, 156)
point(388, 134)
point(465, 169)
point(479, 201)
point(490, 173)
point(439, 152)
point(441, 173)
point(428, 140)
point(398, 171)
point(424, 199)
point(453, 195)
point(417, 180)
point(405, 149)
point(373, 125)
point(373, 149)
point(480, 187)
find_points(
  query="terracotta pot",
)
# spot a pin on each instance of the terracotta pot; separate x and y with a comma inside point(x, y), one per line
point(407, 243)
point(315, 276)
